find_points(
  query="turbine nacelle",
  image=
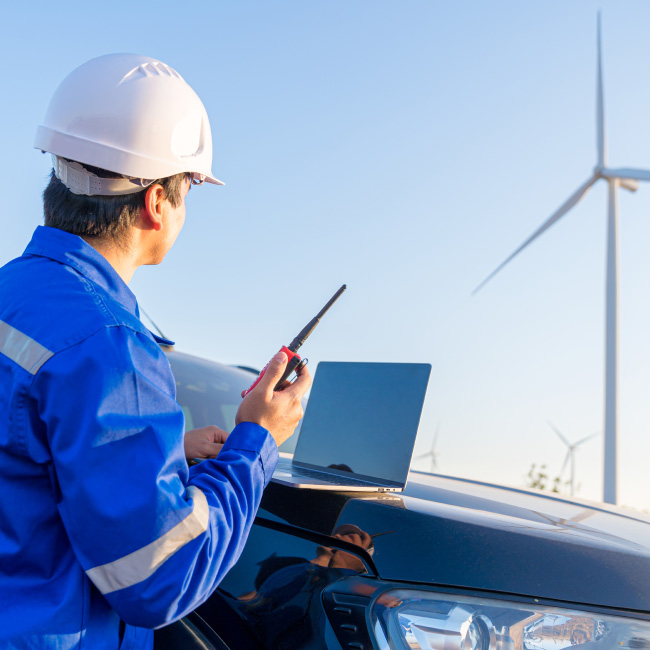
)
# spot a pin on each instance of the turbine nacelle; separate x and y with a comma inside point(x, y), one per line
point(629, 184)
point(570, 454)
point(433, 454)
point(628, 178)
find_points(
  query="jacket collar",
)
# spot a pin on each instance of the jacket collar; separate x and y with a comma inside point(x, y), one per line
point(73, 251)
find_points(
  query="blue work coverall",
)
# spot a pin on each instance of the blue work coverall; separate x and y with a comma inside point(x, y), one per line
point(101, 521)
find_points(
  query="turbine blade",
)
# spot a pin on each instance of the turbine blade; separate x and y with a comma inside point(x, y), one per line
point(627, 172)
point(593, 435)
point(559, 433)
point(566, 462)
point(600, 106)
point(558, 214)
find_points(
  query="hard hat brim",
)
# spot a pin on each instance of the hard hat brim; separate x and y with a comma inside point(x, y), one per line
point(131, 115)
point(111, 159)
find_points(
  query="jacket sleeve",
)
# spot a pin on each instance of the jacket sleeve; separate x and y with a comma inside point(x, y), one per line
point(154, 537)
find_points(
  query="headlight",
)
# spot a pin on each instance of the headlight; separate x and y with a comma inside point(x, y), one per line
point(405, 619)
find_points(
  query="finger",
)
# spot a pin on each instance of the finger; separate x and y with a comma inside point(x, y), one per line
point(302, 383)
point(218, 435)
point(210, 450)
point(211, 433)
point(283, 385)
point(274, 371)
point(214, 450)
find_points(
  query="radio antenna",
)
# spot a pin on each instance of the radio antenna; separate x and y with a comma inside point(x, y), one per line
point(309, 328)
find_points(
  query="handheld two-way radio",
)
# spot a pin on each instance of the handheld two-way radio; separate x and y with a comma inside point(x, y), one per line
point(295, 362)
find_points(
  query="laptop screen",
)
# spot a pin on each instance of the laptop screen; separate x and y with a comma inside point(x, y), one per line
point(362, 419)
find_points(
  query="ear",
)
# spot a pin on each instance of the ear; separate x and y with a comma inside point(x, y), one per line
point(153, 206)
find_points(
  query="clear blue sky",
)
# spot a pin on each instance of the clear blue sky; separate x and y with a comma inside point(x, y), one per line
point(406, 149)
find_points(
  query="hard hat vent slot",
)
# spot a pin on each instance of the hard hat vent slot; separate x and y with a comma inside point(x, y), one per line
point(150, 69)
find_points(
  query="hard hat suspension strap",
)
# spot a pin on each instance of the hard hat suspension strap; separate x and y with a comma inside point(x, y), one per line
point(80, 181)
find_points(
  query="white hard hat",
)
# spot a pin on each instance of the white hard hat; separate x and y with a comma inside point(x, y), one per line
point(128, 114)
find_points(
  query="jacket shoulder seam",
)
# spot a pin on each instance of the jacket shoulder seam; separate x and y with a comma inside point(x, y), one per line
point(89, 336)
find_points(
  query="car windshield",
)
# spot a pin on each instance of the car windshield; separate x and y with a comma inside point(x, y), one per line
point(210, 393)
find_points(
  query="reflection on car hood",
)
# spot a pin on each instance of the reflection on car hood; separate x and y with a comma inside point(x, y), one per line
point(453, 532)
point(628, 528)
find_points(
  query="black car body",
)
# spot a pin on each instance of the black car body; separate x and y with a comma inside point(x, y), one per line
point(453, 564)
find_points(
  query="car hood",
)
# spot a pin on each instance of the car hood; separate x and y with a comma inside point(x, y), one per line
point(452, 532)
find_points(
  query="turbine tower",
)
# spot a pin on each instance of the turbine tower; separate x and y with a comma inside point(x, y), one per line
point(623, 177)
point(570, 454)
point(433, 454)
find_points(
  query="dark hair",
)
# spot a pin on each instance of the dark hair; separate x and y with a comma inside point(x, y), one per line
point(100, 216)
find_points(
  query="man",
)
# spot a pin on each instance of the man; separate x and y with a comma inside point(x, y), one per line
point(105, 533)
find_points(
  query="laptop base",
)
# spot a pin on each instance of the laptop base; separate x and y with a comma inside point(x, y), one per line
point(284, 478)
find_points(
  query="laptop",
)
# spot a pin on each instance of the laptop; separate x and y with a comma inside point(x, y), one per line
point(359, 428)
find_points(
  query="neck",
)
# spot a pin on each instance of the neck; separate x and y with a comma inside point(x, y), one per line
point(122, 259)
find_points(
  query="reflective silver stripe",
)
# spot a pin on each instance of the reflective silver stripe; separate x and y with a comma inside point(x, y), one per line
point(139, 565)
point(22, 349)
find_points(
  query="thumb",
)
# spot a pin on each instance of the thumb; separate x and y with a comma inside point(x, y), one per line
point(274, 371)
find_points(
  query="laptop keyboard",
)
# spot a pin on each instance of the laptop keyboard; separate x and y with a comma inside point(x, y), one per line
point(321, 476)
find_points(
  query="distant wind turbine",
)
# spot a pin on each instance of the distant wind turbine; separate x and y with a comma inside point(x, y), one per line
point(570, 454)
point(433, 454)
point(628, 179)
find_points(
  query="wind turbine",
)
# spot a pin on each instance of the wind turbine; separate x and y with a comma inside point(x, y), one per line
point(433, 455)
point(623, 177)
point(570, 454)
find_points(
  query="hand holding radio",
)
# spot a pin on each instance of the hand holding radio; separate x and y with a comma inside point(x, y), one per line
point(295, 363)
point(274, 402)
point(277, 411)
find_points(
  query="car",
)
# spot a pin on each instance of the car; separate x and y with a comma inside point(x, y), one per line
point(449, 564)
